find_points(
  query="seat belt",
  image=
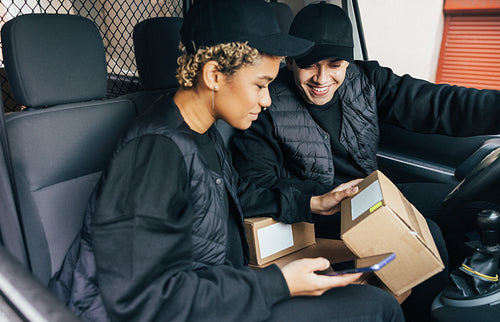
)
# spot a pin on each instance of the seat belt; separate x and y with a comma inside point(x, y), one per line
point(12, 233)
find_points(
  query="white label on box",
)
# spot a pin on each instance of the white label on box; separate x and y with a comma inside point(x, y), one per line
point(366, 199)
point(274, 238)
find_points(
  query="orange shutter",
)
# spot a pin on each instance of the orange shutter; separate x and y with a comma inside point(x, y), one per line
point(470, 49)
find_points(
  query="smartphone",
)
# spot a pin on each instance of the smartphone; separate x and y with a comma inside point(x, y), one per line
point(360, 265)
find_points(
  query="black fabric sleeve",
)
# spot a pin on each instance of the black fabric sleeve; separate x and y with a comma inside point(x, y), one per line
point(425, 107)
point(285, 204)
point(141, 233)
point(258, 158)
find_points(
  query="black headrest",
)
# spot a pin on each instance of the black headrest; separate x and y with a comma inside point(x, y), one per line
point(156, 46)
point(53, 59)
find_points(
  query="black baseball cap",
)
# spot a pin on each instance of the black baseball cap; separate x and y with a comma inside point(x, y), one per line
point(212, 22)
point(329, 27)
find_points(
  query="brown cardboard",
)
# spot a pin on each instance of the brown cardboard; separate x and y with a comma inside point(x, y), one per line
point(331, 249)
point(371, 225)
point(334, 251)
point(269, 239)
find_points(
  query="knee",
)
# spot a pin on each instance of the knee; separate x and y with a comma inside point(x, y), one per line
point(383, 304)
point(437, 235)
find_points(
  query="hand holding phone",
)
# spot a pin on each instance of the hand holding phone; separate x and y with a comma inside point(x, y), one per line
point(361, 265)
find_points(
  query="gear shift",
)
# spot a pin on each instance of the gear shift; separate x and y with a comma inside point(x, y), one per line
point(473, 293)
point(488, 222)
point(478, 274)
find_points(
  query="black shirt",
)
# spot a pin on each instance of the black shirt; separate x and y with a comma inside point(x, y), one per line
point(329, 118)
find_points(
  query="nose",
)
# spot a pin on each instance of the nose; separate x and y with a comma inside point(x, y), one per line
point(321, 74)
point(265, 99)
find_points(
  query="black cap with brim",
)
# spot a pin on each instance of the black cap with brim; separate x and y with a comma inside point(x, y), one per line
point(324, 51)
point(329, 27)
point(212, 22)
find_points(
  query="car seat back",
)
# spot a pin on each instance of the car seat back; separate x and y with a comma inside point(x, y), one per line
point(156, 46)
point(56, 66)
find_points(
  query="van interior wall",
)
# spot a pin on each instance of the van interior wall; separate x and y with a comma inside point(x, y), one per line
point(404, 35)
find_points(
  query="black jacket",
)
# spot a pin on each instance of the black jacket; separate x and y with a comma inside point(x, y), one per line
point(307, 146)
point(159, 235)
point(412, 104)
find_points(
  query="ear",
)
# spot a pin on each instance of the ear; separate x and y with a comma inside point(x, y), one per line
point(289, 63)
point(211, 74)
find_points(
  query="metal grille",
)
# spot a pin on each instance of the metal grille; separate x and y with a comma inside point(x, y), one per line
point(115, 20)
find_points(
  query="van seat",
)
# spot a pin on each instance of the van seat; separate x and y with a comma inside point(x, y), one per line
point(156, 46)
point(56, 66)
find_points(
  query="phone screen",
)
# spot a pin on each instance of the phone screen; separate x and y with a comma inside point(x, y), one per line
point(365, 264)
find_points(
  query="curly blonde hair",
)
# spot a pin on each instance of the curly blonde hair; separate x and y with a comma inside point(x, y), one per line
point(229, 56)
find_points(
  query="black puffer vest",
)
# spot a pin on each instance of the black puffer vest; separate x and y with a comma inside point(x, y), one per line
point(207, 188)
point(306, 146)
point(76, 282)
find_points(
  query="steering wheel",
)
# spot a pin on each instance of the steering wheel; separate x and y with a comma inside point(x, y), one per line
point(481, 184)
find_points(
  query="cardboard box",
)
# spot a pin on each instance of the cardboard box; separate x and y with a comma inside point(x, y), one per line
point(334, 251)
point(269, 239)
point(379, 220)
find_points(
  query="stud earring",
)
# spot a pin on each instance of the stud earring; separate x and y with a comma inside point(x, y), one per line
point(215, 87)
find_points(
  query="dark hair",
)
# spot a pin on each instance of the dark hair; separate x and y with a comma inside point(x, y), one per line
point(229, 56)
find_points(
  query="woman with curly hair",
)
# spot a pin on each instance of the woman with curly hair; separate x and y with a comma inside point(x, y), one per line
point(167, 217)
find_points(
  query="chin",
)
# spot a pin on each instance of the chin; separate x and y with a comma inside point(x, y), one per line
point(244, 127)
point(240, 125)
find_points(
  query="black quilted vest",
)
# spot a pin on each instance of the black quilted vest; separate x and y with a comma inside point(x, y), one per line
point(306, 146)
point(207, 188)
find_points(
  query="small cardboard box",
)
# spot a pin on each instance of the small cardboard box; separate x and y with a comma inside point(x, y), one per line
point(379, 220)
point(269, 239)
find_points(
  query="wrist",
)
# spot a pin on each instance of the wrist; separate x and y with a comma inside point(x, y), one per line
point(315, 204)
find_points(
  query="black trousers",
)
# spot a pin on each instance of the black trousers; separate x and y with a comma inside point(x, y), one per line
point(354, 303)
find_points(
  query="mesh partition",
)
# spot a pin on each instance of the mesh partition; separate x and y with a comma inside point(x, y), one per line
point(115, 20)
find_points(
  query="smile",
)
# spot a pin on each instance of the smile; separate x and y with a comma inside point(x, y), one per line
point(320, 91)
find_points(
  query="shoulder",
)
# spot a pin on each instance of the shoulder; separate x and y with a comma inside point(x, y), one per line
point(152, 149)
point(374, 71)
point(366, 65)
point(161, 118)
